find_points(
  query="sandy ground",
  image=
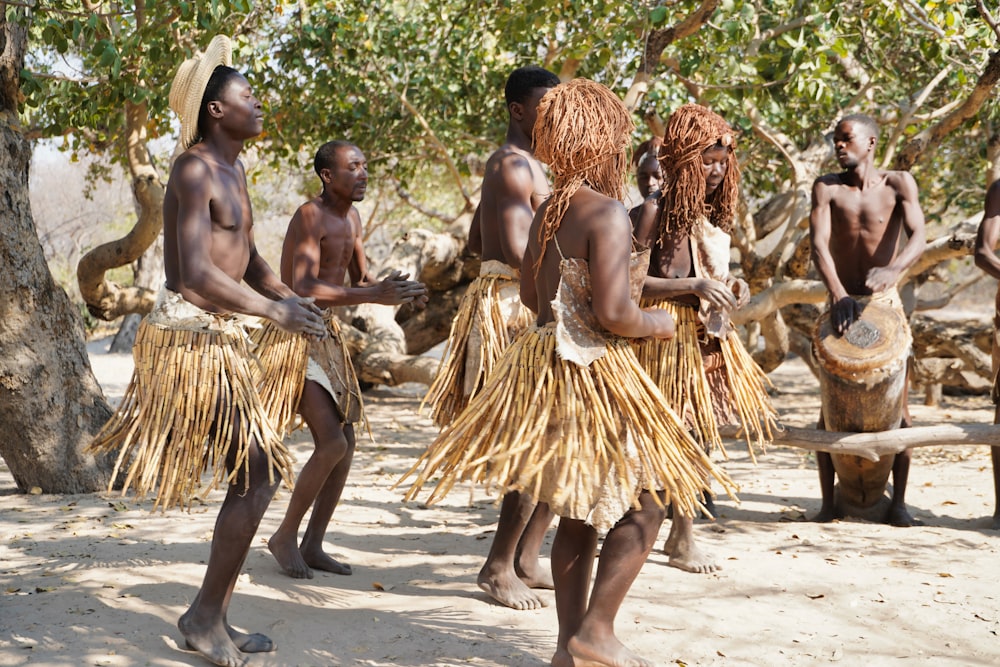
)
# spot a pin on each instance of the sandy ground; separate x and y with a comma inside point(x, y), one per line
point(99, 580)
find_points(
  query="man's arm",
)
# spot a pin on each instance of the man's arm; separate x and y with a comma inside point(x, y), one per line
point(514, 188)
point(306, 233)
point(475, 242)
point(881, 278)
point(843, 309)
point(989, 233)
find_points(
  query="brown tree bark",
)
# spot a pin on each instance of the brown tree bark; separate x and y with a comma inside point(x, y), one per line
point(50, 402)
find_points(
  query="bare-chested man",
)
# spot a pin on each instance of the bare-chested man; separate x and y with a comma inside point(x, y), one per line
point(648, 174)
point(322, 245)
point(987, 260)
point(857, 219)
point(705, 371)
point(193, 362)
point(513, 187)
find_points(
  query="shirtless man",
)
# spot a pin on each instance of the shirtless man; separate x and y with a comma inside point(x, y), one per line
point(687, 228)
point(193, 345)
point(648, 174)
point(987, 260)
point(513, 187)
point(322, 245)
point(855, 225)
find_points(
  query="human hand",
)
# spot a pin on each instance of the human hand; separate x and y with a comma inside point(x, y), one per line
point(843, 313)
point(397, 289)
point(741, 290)
point(300, 315)
point(881, 278)
point(716, 293)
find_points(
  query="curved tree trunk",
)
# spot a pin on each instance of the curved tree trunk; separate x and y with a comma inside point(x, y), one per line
point(50, 402)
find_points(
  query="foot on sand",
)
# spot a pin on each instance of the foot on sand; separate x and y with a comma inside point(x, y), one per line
point(247, 642)
point(286, 552)
point(319, 560)
point(213, 643)
point(610, 652)
point(899, 516)
point(509, 590)
point(826, 515)
point(688, 557)
point(535, 576)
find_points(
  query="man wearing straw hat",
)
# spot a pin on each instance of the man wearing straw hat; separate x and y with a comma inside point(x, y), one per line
point(857, 219)
point(489, 317)
point(197, 381)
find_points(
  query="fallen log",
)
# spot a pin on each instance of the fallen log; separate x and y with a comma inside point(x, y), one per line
point(873, 446)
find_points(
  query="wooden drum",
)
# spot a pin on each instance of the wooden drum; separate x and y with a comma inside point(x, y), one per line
point(863, 384)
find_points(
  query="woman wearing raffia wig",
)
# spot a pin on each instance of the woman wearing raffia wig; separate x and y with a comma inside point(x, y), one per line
point(705, 371)
point(569, 416)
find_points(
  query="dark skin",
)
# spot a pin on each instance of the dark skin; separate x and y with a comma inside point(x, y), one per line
point(513, 187)
point(856, 222)
point(986, 259)
point(649, 180)
point(672, 276)
point(596, 228)
point(322, 246)
point(211, 259)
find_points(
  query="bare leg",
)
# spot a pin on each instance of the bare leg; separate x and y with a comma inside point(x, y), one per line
point(897, 514)
point(572, 564)
point(326, 503)
point(498, 576)
point(318, 479)
point(624, 551)
point(204, 625)
point(684, 553)
point(529, 547)
point(827, 478)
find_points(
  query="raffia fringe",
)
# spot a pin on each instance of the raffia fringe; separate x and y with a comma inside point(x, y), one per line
point(186, 383)
point(281, 373)
point(480, 304)
point(333, 357)
point(675, 365)
point(503, 439)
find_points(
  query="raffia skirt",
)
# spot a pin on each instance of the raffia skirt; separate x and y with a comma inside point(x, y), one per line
point(734, 392)
point(587, 440)
point(198, 397)
point(489, 317)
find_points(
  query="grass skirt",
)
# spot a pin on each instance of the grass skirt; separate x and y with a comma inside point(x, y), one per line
point(196, 398)
point(489, 317)
point(584, 439)
point(734, 394)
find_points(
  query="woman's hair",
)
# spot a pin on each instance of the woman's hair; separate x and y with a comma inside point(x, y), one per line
point(691, 130)
point(583, 133)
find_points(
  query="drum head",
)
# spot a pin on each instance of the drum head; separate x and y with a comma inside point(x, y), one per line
point(874, 342)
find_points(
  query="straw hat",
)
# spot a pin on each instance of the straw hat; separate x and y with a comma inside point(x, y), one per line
point(189, 85)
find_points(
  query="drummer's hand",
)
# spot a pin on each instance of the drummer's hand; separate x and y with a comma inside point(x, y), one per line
point(881, 278)
point(843, 313)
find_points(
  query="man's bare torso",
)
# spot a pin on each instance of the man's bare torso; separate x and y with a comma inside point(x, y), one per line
point(865, 227)
point(336, 235)
point(228, 223)
point(507, 157)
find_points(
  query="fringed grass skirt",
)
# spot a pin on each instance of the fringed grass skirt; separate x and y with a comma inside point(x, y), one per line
point(190, 389)
point(489, 317)
point(587, 440)
point(331, 367)
point(734, 394)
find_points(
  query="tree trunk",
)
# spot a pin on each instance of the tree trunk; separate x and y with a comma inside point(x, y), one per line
point(50, 403)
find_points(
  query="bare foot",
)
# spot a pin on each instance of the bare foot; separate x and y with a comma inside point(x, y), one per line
point(247, 642)
point(535, 576)
point(996, 522)
point(212, 642)
point(609, 652)
point(899, 516)
point(684, 553)
point(286, 552)
point(319, 560)
point(508, 590)
point(562, 658)
point(826, 515)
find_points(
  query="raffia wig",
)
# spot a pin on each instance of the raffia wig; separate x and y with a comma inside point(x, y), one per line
point(691, 130)
point(582, 132)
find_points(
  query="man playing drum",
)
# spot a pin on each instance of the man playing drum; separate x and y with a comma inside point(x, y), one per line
point(855, 225)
